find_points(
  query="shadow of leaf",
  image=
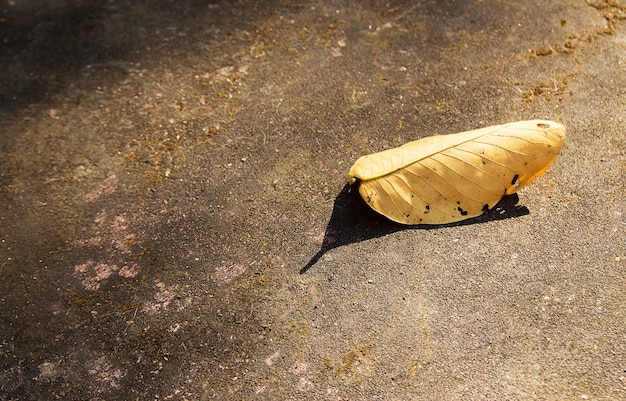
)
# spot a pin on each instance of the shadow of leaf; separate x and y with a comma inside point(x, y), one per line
point(352, 220)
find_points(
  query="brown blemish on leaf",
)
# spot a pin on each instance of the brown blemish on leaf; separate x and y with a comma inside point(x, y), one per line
point(515, 179)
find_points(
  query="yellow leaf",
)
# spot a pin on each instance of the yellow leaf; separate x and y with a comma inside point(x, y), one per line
point(446, 178)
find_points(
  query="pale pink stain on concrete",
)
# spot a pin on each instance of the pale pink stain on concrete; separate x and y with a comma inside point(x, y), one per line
point(109, 232)
point(162, 298)
point(128, 271)
point(121, 241)
point(299, 368)
point(92, 274)
point(226, 274)
point(305, 384)
point(106, 187)
point(105, 377)
point(269, 361)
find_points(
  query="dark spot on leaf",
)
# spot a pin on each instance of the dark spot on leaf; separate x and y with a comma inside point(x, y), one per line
point(515, 179)
point(458, 202)
point(427, 209)
point(463, 212)
point(486, 207)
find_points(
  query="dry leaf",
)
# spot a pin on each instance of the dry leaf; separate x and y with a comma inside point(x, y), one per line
point(447, 178)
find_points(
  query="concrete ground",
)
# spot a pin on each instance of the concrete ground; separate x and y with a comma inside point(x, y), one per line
point(174, 223)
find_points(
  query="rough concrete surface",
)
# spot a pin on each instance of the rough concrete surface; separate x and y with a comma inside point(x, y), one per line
point(174, 223)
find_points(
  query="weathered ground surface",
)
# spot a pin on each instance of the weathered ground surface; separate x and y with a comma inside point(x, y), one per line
point(168, 173)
